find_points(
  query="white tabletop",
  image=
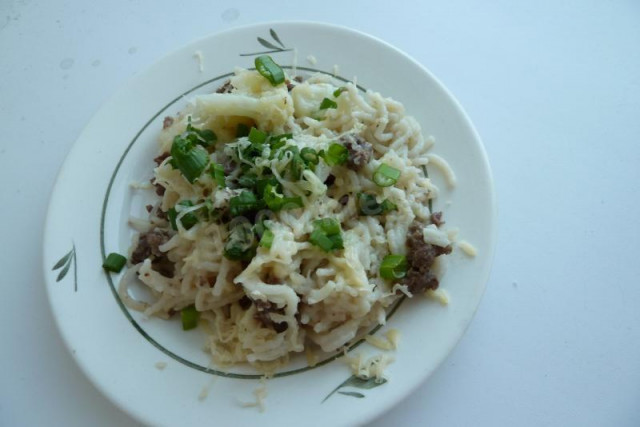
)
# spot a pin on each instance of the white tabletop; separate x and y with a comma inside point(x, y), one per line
point(554, 91)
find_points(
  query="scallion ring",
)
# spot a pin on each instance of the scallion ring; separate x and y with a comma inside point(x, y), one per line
point(385, 175)
point(394, 267)
point(269, 69)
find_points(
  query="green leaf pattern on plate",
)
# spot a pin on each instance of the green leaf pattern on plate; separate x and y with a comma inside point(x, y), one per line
point(269, 45)
point(357, 382)
point(64, 264)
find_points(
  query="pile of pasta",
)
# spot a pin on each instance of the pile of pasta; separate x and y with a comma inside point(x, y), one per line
point(319, 300)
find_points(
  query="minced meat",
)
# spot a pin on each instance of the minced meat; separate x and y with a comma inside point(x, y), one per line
point(420, 257)
point(360, 151)
point(148, 246)
point(227, 87)
point(263, 308)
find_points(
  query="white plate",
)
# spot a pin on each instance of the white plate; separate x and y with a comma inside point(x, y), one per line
point(92, 200)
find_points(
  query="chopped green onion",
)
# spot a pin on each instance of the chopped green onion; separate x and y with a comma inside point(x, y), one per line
point(291, 203)
point(242, 130)
point(278, 141)
point(189, 159)
point(328, 225)
point(309, 156)
point(337, 92)
point(188, 220)
point(277, 202)
point(261, 185)
point(278, 138)
point(386, 175)
point(327, 103)
point(243, 203)
point(217, 173)
point(248, 180)
point(368, 205)
point(336, 154)
point(189, 317)
point(319, 238)
point(326, 234)
point(394, 267)
point(114, 262)
point(297, 166)
point(267, 239)
point(257, 136)
point(240, 245)
point(269, 70)
point(204, 137)
point(388, 206)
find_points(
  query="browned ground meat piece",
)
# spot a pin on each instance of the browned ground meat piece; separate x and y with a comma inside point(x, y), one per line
point(420, 257)
point(330, 180)
point(360, 151)
point(299, 79)
point(161, 158)
point(290, 85)
point(167, 122)
point(148, 246)
point(263, 308)
point(225, 88)
point(159, 189)
point(436, 219)
point(245, 302)
point(344, 200)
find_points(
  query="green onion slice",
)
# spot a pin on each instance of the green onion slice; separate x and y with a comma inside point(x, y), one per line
point(203, 137)
point(309, 156)
point(386, 175)
point(188, 220)
point(328, 103)
point(267, 239)
point(217, 173)
point(277, 202)
point(319, 238)
point(336, 154)
point(114, 262)
point(257, 136)
point(240, 245)
point(388, 206)
point(243, 203)
point(394, 267)
point(189, 317)
point(326, 234)
point(368, 205)
point(269, 69)
point(189, 159)
point(248, 180)
point(337, 92)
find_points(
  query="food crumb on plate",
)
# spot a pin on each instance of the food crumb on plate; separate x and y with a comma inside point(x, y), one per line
point(199, 58)
point(312, 60)
point(393, 335)
point(467, 248)
point(439, 295)
point(160, 365)
point(370, 367)
point(260, 394)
